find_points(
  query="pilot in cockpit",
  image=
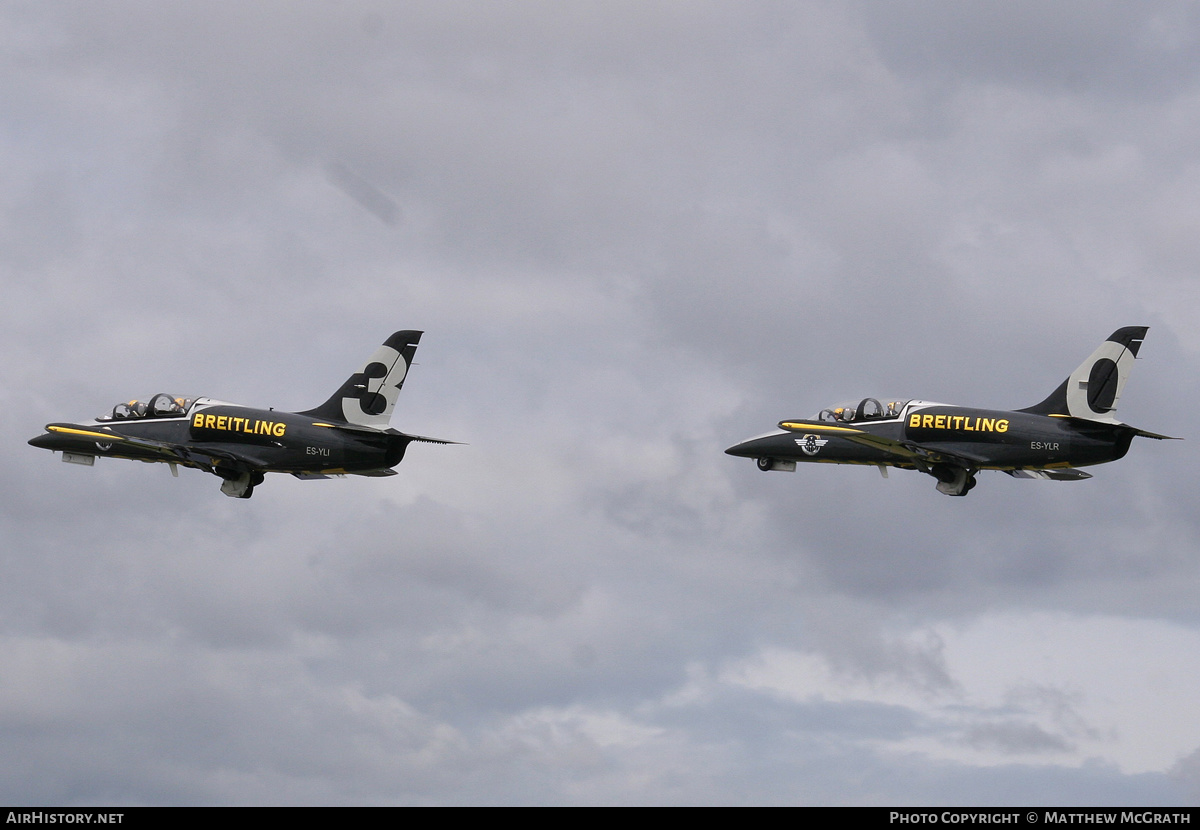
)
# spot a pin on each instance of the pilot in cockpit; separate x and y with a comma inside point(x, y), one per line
point(126, 411)
point(165, 406)
point(161, 405)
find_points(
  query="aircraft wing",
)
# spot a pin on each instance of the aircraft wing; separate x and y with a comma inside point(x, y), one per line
point(902, 450)
point(91, 435)
point(166, 450)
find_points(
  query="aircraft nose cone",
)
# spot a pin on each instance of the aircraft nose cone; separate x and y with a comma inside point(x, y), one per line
point(738, 450)
point(45, 442)
point(773, 445)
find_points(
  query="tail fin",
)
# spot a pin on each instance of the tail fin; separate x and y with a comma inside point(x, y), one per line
point(1092, 390)
point(368, 397)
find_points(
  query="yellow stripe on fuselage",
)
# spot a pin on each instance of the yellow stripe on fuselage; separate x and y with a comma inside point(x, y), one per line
point(815, 428)
point(107, 436)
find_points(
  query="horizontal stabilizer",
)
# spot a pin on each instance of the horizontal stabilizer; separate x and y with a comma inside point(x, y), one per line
point(1142, 432)
point(1146, 434)
point(356, 428)
point(426, 440)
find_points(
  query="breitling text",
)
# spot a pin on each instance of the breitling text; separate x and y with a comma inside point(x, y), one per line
point(249, 426)
point(960, 422)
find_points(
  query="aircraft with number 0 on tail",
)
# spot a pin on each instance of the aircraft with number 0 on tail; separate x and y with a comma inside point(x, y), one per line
point(348, 434)
point(1076, 426)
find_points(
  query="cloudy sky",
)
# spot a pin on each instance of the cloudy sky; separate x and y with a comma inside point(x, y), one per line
point(634, 233)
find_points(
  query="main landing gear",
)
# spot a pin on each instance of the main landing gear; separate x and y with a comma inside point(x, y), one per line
point(239, 485)
point(952, 480)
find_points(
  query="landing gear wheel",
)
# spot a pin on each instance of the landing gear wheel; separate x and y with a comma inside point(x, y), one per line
point(238, 485)
point(952, 480)
point(765, 464)
point(255, 480)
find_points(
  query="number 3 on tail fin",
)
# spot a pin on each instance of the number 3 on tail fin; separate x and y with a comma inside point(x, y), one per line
point(368, 397)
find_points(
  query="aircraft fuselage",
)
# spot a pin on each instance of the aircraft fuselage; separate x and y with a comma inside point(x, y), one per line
point(349, 433)
point(991, 439)
point(263, 439)
point(1075, 426)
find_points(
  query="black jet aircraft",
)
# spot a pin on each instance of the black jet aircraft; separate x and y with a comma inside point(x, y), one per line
point(349, 433)
point(1075, 427)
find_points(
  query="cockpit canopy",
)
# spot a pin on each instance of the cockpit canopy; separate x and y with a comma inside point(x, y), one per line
point(868, 409)
point(162, 405)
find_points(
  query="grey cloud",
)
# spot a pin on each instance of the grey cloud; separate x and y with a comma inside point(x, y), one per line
point(1101, 48)
point(1015, 737)
point(1187, 772)
point(372, 199)
point(633, 236)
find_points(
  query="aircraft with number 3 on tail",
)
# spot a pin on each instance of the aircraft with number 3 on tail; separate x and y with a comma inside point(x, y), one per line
point(1076, 426)
point(348, 434)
